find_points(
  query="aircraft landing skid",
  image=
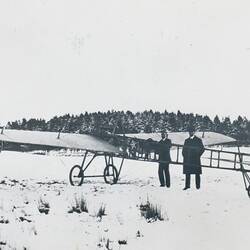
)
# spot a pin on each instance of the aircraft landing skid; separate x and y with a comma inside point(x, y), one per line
point(246, 179)
point(245, 173)
point(110, 174)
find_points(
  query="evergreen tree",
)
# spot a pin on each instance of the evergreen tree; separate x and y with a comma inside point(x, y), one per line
point(129, 122)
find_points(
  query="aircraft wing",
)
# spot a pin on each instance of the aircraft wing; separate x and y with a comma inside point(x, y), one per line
point(66, 140)
point(208, 138)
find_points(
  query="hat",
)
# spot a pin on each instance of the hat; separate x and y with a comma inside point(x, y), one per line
point(164, 132)
point(191, 129)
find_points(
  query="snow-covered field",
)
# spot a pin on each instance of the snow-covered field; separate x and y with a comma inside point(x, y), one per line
point(216, 217)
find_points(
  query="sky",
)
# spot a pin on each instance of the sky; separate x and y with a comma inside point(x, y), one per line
point(72, 56)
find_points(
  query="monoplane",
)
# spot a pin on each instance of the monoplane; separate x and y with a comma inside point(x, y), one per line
point(139, 147)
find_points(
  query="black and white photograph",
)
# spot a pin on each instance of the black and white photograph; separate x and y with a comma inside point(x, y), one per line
point(124, 125)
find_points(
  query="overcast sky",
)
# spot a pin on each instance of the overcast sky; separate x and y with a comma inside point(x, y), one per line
point(72, 56)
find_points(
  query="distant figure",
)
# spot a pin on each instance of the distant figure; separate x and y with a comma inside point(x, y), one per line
point(164, 159)
point(148, 146)
point(192, 150)
point(132, 148)
point(124, 145)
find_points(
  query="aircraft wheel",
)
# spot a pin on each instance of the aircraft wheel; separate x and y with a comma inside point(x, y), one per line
point(76, 176)
point(110, 174)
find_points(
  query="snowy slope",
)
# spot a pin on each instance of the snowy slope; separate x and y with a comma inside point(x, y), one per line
point(215, 217)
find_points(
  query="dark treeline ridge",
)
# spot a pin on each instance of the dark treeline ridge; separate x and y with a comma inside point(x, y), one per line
point(129, 122)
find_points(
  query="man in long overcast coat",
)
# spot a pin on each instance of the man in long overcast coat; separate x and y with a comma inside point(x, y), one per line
point(192, 150)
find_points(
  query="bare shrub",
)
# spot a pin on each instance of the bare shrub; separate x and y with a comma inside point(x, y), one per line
point(101, 241)
point(79, 206)
point(104, 243)
point(21, 218)
point(139, 234)
point(122, 242)
point(2, 243)
point(101, 211)
point(3, 220)
point(107, 245)
point(151, 212)
point(43, 206)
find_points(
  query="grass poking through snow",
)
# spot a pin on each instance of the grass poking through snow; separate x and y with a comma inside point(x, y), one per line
point(101, 211)
point(151, 212)
point(43, 206)
point(79, 206)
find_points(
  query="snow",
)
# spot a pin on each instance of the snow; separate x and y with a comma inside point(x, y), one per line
point(208, 138)
point(214, 217)
point(64, 140)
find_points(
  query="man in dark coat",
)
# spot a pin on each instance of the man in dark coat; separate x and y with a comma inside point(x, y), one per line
point(164, 146)
point(192, 150)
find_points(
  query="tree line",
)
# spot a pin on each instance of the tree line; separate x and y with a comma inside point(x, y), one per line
point(130, 122)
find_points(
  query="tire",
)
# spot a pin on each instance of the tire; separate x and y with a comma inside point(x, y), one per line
point(110, 174)
point(76, 176)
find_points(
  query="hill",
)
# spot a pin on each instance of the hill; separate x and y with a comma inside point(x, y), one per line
point(147, 121)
